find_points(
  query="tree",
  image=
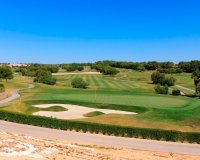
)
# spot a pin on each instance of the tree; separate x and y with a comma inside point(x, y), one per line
point(166, 65)
point(109, 71)
point(161, 89)
point(80, 68)
point(43, 76)
point(153, 65)
point(79, 83)
point(160, 78)
point(196, 77)
point(170, 81)
point(176, 92)
point(6, 73)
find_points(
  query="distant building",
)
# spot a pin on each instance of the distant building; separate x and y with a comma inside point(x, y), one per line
point(18, 65)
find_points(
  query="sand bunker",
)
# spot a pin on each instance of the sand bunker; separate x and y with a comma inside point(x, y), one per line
point(74, 111)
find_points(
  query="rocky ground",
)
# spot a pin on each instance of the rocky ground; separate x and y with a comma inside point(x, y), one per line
point(21, 147)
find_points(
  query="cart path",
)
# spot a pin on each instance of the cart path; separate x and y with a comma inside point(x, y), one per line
point(97, 139)
point(185, 88)
point(15, 94)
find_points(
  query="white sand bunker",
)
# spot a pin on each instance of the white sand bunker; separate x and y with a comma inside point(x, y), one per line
point(74, 111)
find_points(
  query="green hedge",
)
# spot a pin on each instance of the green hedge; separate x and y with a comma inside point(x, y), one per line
point(144, 133)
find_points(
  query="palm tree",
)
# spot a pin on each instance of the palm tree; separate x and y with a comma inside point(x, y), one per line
point(196, 77)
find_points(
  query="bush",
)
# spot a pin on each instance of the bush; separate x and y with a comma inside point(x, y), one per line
point(176, 92)
point(2, 88)
point(106, 70)
point(170, 70)
point(109, 71)
point(146, 133)
point(45, 77)
point(161, 89)
point(170, 81)
point(79, 83)
point(80, 68)
point(73, 67)
point(160, 78)
point(6, 72)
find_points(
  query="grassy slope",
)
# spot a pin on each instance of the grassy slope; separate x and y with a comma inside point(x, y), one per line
point(129, 91)
point(93, 114)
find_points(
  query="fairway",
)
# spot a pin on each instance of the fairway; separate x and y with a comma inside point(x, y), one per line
point(129, 91)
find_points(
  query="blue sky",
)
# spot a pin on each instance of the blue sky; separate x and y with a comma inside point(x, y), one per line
point(60, 31)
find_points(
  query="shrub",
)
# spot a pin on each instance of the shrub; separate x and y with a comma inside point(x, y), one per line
point(106, 70)
point(79, 83)
point(45, 77)
point(147, 133)
point(140, 68)
point(160, 78)
point(80, 68)
point(176, 92)
point(161, 89)
point(170, 81)
point(2, 88)
point(6, 72)
point(73, 67)
point(109, 71)
point(170, 70)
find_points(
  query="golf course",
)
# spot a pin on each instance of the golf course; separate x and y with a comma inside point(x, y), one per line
point(129, 91)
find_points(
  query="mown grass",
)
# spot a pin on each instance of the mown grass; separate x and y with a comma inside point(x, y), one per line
point(129, 91)
point(93, 114)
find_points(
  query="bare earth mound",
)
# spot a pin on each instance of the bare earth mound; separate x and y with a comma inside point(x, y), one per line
point(20, 147)
point(74, 111)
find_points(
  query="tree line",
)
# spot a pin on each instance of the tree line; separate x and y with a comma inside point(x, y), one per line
point(163, 67)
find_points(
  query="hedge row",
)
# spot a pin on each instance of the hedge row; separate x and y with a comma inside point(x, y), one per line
point(144, 133)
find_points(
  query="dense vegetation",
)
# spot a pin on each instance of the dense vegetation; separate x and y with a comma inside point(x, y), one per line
point(105, 69)
point(166, 135)
point(72, 67)
point(79, 83)
point(45, 77)
point(161, 89)
point(32, 70)
point(164, 67)
point(5, 73)
point(162, 79)
point(176, 92)
point(189, 67)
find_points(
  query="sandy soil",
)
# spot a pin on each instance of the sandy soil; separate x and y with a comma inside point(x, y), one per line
point(3, 95)
point(67, 73)
point(74, 111)
point(20, 147)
